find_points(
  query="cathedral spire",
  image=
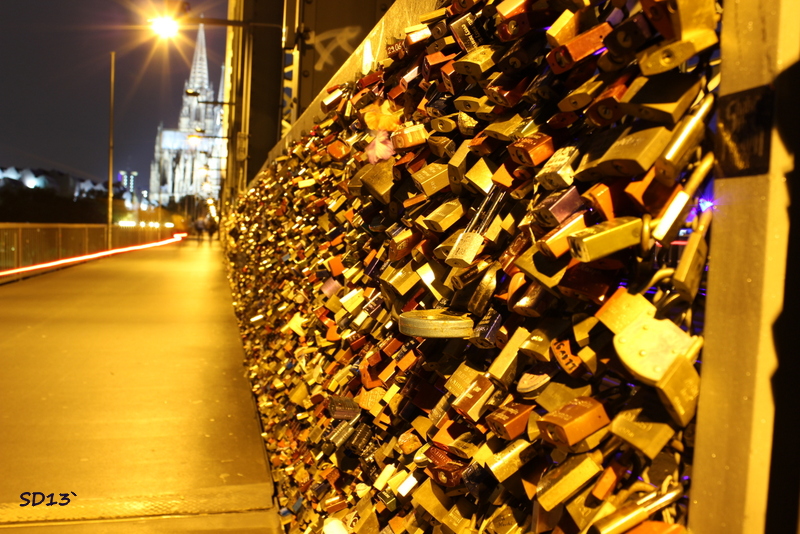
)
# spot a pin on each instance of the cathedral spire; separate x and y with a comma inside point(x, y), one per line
point(198, 79)
point(221, 94)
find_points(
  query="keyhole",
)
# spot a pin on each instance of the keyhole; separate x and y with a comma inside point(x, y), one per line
point(624, 39)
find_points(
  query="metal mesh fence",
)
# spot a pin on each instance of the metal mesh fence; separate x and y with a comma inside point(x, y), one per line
point(23, 245)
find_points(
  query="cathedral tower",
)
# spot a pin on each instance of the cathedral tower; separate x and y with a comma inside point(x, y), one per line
point(188, 161)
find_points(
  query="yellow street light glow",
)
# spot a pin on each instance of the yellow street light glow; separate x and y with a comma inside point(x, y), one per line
point(193, 140)
point(164, 27)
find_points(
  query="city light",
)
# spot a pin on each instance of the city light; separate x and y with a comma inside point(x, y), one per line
point(127, 224)
point(164, 27)
point(175, 238)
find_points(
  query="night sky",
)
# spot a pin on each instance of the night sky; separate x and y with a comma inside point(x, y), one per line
point(54, 82)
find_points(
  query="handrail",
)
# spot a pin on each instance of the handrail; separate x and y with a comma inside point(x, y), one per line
point(50, 225)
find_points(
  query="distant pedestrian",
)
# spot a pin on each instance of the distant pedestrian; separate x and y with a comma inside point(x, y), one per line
point(199, 228)
point(211, 227)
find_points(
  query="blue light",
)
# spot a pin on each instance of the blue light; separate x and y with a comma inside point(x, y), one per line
point(705, 204)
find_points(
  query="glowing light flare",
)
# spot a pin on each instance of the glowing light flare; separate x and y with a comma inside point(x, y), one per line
point(66, 261)
point(164, 27)
point(706, 204)
point(193, 140)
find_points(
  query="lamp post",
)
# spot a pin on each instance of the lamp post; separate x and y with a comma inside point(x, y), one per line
point(191, 92)
point(110, 220)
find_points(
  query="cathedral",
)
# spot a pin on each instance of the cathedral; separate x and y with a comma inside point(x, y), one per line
point(190, 160)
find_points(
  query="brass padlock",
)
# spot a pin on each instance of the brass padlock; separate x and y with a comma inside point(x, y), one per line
point(566, 479)
point(632, 514)
point(663, 98)
point(484, 335)
point(441, 146)
point(477, 62)
point(585, 94)
point(452, 82)
point(470, 242)
point(605, 110)
point(472, 403)
point(569, 25)
point(565, 56)
point(674, 215)
point(559, 172)
point(506, 366)
point(573, 422)
point(532, 150)
point(510, 421)
point(689, 272)
point(605, 238)
point(479, 177)
point(445, 215)
point(558, 206)
point(629, 36)
point(457, 167)
point(534, 302)
point(636, 151)
point(445, 124)
point(692, 25)
point(678, 390)
point(644, 424)
point(555, 244)
point(688, 134)
point(648, 346)
point(432, 178)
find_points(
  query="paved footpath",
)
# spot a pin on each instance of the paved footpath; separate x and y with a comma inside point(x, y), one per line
point(121, 382)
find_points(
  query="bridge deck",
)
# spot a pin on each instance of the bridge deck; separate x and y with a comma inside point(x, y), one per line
point(121, 381)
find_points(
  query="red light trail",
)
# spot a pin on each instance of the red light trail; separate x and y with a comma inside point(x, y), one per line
point(66, 261)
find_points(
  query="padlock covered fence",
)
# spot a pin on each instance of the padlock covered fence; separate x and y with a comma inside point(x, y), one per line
point(472, 279)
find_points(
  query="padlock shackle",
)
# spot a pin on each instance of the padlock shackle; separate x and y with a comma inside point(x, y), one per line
point(699, 174)
point(658, 277)
point(493, 210)
point(476, 220)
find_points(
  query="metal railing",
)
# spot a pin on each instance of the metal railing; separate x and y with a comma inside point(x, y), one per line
point(26, 244)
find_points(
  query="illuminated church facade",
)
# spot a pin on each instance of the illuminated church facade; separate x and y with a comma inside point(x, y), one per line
point(190, 160)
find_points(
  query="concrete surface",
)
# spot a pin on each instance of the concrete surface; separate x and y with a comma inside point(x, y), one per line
point(121, 381)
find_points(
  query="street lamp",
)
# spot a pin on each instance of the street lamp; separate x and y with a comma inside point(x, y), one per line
point(110, 219)
point(192, 92)
point(165, 27)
